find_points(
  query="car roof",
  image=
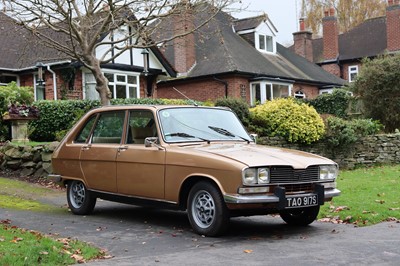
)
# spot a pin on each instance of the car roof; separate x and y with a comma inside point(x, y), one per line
point(154, 107)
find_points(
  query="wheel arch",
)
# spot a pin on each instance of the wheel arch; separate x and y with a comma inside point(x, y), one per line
point(189, 183)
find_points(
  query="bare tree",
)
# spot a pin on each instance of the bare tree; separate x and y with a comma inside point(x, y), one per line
point(350, 13)
point(77, 27)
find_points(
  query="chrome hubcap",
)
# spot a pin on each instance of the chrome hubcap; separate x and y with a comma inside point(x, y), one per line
point(77, 195)
point(203, 209)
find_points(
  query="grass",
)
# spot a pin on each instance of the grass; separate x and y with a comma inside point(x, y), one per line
point(22, 247)
point(20, 195)
point(369, 196)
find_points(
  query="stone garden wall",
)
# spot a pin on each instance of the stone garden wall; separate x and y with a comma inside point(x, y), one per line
point(378, 149)
point(29, 161)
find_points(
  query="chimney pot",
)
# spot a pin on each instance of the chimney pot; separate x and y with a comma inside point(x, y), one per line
point(302, 24)
point(390, 2)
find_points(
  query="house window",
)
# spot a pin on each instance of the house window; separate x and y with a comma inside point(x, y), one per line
point(123, 85)
point(6, 79)
point(265, 43)
point(299, 95)
point(353, 72)
point(266, 91)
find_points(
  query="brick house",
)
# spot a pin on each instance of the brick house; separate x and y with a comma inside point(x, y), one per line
point(241, 59)
point(341, 54)
point(226, 58)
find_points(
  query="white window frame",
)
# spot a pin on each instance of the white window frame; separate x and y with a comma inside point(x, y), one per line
point(264, 85)
point(265, 49)
point(113, 84)
point(325, 91)
point(35, 83)
point(353, 70)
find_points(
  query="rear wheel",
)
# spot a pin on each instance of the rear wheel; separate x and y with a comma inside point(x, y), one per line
point(300, 216)
point(206, 209)
point(80, 200)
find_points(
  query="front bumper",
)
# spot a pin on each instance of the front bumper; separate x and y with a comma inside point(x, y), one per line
point(256, 199)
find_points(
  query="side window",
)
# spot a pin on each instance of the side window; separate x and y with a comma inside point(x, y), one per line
point(109, 127)
point(85, 132)
point(353, 72)
point(141, 126)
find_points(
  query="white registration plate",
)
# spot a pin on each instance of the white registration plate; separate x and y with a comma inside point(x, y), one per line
point(302, 201)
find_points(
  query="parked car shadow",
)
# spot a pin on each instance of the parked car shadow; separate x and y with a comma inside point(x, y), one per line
point(262, 226)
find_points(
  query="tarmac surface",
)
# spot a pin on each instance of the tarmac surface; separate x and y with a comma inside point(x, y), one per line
point(145, 236)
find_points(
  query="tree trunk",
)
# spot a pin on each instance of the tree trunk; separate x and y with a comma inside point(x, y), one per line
point(101, 81)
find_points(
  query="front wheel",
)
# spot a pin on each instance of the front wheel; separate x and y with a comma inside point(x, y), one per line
point(80, 200)
point(206, 209)
point(300, 216)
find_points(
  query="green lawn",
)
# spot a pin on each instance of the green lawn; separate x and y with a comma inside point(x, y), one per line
point(369, 196)
point(23, 247)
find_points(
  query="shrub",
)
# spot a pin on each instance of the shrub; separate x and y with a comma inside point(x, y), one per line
point(56, 116)
point(342, 133)
point(377, 86)
point(335, 103)
point(289, 119)
point(12, 94)
point(238, 106)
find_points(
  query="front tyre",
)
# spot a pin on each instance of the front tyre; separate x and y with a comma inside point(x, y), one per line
point(80, 200)
point(300, 216)
point(206, 209)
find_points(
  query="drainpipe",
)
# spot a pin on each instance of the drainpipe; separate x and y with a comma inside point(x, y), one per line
point(54, 81)
point(225, 83)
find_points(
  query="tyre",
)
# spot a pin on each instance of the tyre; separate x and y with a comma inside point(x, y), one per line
point(80, 200)
point(206, 209)
point(300, 216)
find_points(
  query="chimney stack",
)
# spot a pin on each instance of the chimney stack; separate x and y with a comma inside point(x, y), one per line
point(184, 47)
point(330, 35)
point(393, 25)
point(303, 42)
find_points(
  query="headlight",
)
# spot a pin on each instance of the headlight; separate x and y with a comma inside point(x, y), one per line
point(249, 176)
point(328, 172)
point(255, 176)
point(263, 175)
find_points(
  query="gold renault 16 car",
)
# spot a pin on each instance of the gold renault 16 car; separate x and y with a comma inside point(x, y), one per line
point(199, 159)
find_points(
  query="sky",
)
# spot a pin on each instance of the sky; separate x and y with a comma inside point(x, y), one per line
point(282, 13)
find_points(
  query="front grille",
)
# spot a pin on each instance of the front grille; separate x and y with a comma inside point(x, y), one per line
point(285, 174)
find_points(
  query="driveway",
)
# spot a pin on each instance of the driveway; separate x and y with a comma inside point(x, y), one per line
point(145, 236)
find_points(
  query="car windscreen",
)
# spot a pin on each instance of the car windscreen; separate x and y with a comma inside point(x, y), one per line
point(200, 124)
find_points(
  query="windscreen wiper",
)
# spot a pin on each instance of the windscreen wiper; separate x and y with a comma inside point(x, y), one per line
point(227, 133)
point(185, 135)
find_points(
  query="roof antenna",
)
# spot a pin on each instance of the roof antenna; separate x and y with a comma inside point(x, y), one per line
point(187, 98)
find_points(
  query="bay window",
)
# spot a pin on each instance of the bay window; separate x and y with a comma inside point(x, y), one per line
point(265, 91)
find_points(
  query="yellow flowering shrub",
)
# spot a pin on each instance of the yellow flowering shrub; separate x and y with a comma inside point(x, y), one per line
point(296, 122)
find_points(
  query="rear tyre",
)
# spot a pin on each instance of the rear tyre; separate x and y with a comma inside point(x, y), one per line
point(80, 200)
point(300, 216)
point(206, 209)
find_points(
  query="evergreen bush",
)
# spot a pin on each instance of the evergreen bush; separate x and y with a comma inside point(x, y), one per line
point(296, 122)
point(335, 103)
point(238, 106)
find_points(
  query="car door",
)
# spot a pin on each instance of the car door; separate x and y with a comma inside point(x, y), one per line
point(98, 156)
point(140, 169)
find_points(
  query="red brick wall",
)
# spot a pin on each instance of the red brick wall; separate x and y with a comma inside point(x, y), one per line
point(332, 68)
point(393, 27)
point(205, 90)
point(330, 37)
point(303, 44)
point(184, 47)
point(311, 92)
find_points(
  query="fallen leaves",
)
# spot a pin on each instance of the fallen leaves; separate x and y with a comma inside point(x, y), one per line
point(248, 251)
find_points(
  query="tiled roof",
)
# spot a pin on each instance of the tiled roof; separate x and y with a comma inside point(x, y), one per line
point(366, 40)
point(220, 50)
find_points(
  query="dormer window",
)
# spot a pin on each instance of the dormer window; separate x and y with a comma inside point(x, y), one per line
point(266, 43)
